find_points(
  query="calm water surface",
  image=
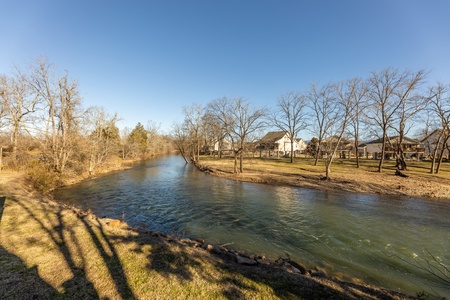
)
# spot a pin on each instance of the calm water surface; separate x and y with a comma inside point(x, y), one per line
point(379, 239)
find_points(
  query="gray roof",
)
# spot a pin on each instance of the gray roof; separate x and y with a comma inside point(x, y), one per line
point(272, 137)
point(394, 139)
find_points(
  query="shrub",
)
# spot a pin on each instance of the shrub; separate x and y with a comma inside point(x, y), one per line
point(43, 178)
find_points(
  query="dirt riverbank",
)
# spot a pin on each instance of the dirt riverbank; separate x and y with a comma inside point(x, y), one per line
point(49, 250)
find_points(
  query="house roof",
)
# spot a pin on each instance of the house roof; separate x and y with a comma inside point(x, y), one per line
point(394, 139)
point(272, 136)
point(436, 131)
point(335, 138)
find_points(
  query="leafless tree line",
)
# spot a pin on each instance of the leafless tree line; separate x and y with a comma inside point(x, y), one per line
point(44, 124)
point(388, 103)
point(234, 120)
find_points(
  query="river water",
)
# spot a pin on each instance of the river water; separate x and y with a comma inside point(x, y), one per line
point(383, 240)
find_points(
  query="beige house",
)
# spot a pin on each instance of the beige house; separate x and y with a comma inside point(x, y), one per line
point(430, 142)
point(409, 146)
point(345, 148)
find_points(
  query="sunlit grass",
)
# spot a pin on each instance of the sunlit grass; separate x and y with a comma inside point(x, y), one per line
point(344, 175)
point(340, 165)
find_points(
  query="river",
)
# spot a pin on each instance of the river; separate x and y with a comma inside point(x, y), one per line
point(379, 239)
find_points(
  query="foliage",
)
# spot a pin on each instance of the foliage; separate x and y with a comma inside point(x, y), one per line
point(42, 177)
point(312, 147)
point(138, 139)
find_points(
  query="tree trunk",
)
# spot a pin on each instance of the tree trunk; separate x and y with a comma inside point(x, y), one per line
point(317, 153)
point(328, 167)
point(198, 152)
point(383, 146)
point(441, 156)
point(292, 151)
point(435, 151)
point(357, 153)
point(235, 162)
point(241, 161)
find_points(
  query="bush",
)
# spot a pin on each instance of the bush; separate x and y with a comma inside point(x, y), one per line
point(43, 178)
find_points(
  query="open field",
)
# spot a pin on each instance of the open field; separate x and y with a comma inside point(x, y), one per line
point(50, 251)
point(344, 175)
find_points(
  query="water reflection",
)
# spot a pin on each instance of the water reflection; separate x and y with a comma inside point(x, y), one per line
point(371, 237)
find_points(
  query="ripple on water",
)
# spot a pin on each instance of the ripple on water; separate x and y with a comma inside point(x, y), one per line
point(374, 237)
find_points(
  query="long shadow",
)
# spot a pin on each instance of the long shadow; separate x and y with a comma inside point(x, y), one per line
point(72, 286)
point(17, 279)
point(2, 206)
point(112, 261)
point(174, 260)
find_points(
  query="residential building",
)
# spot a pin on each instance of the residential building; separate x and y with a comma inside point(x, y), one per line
point(410, 147)
point(277, 141)
point(430, 142)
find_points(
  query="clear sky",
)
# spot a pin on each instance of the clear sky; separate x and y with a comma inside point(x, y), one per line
point(145, 60)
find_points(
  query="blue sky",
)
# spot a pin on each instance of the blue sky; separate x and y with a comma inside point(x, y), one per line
point(145, 60)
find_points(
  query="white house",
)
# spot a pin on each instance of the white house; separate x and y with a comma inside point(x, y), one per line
point(223, 145)
point(278, 141)
point(301, 144)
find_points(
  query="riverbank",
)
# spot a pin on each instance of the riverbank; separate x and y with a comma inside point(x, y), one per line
point(49, 250)
point(344, 176)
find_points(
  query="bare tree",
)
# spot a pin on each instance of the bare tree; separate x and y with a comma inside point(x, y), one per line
point(103, 137)
point(345, 104)
point(290, 116)
point(2, 123)
point(215, 134)
point(193, 122)
point(239, 119)
point(18, 104)
point(180, 137)
point(125, 147)
point(63, 106)
point(410, 104)
point(383, 105)
point(152, 137)
point(247, 120)
point(355, 122)
point(321, 103)
point(219, 111)
point(440, 106)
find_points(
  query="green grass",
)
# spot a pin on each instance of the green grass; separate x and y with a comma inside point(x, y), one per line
point(344, 165)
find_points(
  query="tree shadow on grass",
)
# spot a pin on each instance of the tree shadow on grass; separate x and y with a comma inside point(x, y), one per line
point(19, 281)
point(173, 259)
point(111, 258)
point(177, 260)
point(68, 243)
point(2, 205)
point(195, 269)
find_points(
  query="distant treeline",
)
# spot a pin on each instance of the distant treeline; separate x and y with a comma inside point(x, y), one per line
point(45, 129)
point(387, 103)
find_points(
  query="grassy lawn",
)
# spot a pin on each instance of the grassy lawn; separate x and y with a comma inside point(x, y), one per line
point(344, 175)
point(338, 165)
